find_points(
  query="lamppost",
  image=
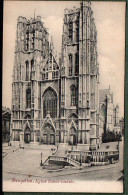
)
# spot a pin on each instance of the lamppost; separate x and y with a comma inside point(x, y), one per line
point(41, 159)
point(80, 158)
point(11, 126)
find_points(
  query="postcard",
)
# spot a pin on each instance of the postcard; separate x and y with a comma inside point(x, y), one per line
point(63, 96)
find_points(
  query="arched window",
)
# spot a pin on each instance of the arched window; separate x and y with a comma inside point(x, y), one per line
point(70, 64)
point(33, 37)
point(27, 40)
point(77, 63)
point(77, 29)
point(32, 68)
point(32, 65)
point(50, 103)
point(73, 96)
point(70, 31)
point(27, 70)
point(28, 98)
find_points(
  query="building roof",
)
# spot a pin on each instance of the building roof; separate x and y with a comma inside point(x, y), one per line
point(110, 146)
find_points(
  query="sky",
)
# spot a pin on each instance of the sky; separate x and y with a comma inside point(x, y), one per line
point(110, 23)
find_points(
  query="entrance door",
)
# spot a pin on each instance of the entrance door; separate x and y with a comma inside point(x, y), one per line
point(48, 134)
point(52, 139)
point(73, 136)
point(27, 135)
point(73, 139)
point(26, 138)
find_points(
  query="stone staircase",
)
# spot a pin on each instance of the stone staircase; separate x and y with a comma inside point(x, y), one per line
point(61, 157)
point(63, 160)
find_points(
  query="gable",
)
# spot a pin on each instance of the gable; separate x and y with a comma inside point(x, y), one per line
point(50, 63)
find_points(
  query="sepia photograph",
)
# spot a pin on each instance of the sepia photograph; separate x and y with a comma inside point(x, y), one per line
point(63, 96)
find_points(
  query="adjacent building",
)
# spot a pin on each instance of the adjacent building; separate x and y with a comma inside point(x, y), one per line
point(6, 122)
point(57, 101)
point(109, 113)
point(122, 125)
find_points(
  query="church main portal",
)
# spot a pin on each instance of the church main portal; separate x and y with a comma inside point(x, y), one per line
point(48, 135)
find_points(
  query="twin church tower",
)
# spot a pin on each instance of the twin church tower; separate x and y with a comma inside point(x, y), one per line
point(57, 101)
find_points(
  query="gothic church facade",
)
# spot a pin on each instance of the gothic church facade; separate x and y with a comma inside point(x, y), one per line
point(57, 102)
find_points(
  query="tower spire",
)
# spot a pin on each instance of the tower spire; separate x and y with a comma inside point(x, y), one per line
point(51, 45)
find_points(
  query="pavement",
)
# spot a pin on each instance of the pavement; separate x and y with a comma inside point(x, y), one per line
point(25, 163)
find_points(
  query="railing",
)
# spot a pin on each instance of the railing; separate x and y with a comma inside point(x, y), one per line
point(73, 162)
point(46, 161)
point(101, 159)
point(4, 154)
point(62, 159)
point(16, 149)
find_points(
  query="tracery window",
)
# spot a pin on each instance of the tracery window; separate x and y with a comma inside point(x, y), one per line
point(70, 64)
point(27, 70)
point(50, 103)
point(28, 98)
point(73, 96)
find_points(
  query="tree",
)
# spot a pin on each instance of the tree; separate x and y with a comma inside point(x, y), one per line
point(111, 136)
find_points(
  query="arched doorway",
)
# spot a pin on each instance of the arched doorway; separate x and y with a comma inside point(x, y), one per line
point(72, 136)
point(48, 135)
point(27, 135)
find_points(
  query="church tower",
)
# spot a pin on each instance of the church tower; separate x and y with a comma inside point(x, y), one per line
point(32, 47)
point(80, 78)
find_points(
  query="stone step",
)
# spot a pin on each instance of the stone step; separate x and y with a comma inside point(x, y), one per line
point(61, 160)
